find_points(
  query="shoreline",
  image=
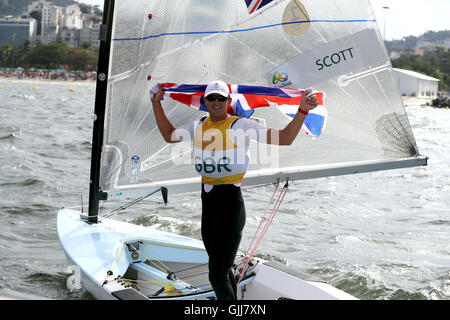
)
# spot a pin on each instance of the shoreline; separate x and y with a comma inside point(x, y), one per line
point(407, 100)
point(41, 81)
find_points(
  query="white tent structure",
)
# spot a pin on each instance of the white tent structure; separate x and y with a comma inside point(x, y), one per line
point(411, 83)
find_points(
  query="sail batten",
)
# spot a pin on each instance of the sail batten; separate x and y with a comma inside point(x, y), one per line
point(332, 46)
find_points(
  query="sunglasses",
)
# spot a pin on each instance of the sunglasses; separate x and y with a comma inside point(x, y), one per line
point(213, 98)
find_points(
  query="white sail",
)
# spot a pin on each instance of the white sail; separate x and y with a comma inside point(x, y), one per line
point(333, 46)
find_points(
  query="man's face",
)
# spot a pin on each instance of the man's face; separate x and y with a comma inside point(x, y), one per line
point(217, 105)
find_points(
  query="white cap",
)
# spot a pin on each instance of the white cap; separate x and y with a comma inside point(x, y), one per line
point(217, 86)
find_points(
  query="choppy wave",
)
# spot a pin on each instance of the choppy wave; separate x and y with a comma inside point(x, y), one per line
point(173, 225)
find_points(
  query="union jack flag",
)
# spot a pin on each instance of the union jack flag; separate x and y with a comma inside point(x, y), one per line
point(254, 5)
point(246, 98)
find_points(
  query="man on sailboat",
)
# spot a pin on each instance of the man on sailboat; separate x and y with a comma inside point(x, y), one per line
point(218, 149)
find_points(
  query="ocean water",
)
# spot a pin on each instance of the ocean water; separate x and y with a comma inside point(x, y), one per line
point(381, 235)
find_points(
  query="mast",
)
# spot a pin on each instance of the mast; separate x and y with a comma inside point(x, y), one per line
point(95, 193)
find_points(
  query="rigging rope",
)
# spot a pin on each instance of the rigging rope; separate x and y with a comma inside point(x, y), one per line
point(193, 276)
point(262, 219)
point(128, 204)
point(164, 268)
point(250, 252)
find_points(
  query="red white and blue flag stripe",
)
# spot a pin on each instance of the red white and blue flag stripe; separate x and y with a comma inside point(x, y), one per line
point(246, 98)
point(254, 5)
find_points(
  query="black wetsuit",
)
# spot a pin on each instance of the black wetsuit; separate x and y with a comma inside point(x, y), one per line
point(223, 219)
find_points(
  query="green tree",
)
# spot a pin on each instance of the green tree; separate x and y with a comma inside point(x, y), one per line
point(81, 59)
point(86, 45)
point(7, 53)
point(48, 56)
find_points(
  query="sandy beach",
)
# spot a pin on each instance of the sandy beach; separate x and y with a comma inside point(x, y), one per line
point(37, 81)
point(414, 100)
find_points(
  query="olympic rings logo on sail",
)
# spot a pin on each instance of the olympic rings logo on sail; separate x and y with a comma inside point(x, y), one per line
point(280, 79)
point(277, 77)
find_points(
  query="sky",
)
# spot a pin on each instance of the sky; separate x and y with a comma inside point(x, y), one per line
point(403, 18)
point(411, 17)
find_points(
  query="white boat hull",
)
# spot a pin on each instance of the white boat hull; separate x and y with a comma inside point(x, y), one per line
point(118, 260)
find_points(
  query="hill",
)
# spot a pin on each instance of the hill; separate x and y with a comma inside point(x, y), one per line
point(411, 42)
point(433, 60)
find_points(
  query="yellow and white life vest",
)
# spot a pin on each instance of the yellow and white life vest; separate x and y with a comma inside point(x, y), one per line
point(217, 158)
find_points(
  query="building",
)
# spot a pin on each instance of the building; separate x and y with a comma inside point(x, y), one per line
point(36, 5)
point(90, 34)
point(425, 45)
point(415, 84)
point(71, 37)
point(17, 30)
point(73, 18)
point(52, 19)
point(74, 25)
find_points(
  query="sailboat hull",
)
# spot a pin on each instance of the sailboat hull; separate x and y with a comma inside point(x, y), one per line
point(119, 260)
